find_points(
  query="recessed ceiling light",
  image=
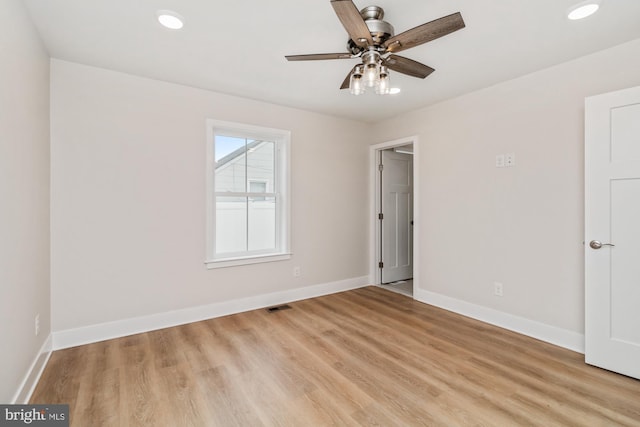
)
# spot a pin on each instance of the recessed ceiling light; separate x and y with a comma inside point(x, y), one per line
point(394, 91)
point(170, 19)
point(582, 10)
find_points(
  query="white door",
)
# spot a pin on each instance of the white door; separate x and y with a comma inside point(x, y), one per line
point(397, 212)
point(612, 231)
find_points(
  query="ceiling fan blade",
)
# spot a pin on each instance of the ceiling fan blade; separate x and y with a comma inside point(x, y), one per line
point(347, 80)
point(425, 33)
point(352, 22)
point(318, 56)
point(408, 66)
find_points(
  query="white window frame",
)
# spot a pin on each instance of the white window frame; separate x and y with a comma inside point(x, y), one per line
point(282, 139)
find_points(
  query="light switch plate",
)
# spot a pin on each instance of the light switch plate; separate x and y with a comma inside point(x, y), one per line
point(510, 160)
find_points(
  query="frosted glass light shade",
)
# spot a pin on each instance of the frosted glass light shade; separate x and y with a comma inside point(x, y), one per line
point(384, 84)
point(371, 75)
point(356, 85)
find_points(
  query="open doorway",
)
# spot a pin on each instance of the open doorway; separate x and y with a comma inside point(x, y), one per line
point(393, 204)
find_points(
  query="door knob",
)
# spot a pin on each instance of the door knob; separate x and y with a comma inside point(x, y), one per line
point(595, 244)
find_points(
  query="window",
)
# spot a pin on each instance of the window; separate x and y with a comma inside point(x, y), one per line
point(258, 187)
point(247, 194)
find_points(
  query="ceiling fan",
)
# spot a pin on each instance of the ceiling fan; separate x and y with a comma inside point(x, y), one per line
point(372, 40)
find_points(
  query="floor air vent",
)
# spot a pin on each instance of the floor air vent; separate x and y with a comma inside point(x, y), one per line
point(278, 308)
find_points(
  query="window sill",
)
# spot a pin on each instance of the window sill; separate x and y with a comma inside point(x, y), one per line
point(232, 262)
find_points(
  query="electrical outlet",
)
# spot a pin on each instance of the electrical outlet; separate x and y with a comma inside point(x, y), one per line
point(500, 161)
point(497, 289)
point(37, 324)
point(296, 272)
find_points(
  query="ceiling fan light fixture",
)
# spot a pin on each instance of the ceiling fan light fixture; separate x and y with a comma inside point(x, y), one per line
point(356, 85)
point(170, 19)
point(583, 10)
point(371, 75)
point(384, 84)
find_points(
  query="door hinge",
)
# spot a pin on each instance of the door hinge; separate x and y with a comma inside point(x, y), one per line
point(380, 216)
point(380, 167)
point(381, 264)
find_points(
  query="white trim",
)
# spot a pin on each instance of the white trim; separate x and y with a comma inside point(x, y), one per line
point(374, 272)
point(551, 334)
point(120, 328)
point(28, 384)
point(232, 262)
point(242, 130)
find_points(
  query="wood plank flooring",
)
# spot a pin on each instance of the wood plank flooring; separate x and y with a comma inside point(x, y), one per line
point(363, 357)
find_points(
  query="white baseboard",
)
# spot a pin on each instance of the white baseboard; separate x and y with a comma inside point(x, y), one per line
point(120, 328)
point(32, 377)
point(551, 334)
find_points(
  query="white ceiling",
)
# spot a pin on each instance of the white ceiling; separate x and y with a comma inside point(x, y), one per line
point(238, 47)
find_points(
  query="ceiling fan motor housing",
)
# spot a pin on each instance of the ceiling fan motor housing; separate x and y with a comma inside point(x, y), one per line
point(380, 30)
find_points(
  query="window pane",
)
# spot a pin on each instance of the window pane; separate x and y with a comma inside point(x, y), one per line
point(257, 187)
point(262, 223)
point(261, 163)
point(230, 173)
point(231, 224)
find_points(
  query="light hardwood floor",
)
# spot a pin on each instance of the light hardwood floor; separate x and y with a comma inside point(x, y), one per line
point(363, 357)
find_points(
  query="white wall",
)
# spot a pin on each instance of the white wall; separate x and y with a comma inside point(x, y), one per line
point(24, 195)
point(522, 226)
point(128, 197)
